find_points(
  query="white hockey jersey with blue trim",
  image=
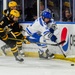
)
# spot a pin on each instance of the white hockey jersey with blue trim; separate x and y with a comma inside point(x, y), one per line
point(39, 26)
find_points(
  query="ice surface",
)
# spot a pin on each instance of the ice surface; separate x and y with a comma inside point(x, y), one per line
point(35, 66)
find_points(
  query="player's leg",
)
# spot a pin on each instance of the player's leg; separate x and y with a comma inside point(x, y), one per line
point(44, 52)
point(14, 49)
point(43, 49)
point(10, 43)
point(19, 44)
point(13, 46)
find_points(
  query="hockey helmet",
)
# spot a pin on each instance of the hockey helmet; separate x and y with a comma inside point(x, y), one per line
point(15, 13)
point(46, 14)
point(12, 4)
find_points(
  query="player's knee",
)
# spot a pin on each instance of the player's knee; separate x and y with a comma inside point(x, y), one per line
point(19, 43)
point(14, 49)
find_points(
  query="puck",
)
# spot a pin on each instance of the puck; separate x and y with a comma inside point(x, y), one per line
point(72, 64)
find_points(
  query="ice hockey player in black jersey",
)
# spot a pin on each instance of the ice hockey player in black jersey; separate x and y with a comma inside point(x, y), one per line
point(16, 28)
point(6, 20)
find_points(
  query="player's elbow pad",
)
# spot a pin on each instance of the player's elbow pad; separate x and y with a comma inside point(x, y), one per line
point(51, 30)
point(53, 38)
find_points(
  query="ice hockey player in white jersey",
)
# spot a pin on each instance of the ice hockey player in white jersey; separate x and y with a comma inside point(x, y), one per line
point(37, 31)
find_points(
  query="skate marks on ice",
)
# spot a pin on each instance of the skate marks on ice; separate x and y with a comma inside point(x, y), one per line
point(35, 63)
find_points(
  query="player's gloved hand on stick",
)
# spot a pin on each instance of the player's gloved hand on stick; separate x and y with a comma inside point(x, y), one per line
point(53, 38)
point(51, 30)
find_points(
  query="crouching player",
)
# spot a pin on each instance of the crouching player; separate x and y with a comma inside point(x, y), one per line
point(12, 18)
point(37, 32)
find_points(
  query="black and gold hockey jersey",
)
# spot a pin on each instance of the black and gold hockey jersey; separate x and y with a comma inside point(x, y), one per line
point(3, 23)
point(16, 28)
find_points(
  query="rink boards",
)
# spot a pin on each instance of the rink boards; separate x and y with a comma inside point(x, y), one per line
point(65, 31)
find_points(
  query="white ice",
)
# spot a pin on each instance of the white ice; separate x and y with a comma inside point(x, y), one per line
point(35, 66)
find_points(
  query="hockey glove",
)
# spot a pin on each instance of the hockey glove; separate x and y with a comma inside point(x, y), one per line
point(26, 41)
point(51, 30)
point(53, 38)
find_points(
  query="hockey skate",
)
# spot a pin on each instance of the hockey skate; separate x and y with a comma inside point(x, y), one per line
point(45, 55)
point(41, 54)
point(48, 55)
point(3, 49)
point(18, 58)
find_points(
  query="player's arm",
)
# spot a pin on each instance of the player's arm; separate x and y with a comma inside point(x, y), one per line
point(3, 34)
point(49, 33)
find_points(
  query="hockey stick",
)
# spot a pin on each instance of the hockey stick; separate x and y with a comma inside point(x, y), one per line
point(57, 44)
point(62, 51)
point(61, 48)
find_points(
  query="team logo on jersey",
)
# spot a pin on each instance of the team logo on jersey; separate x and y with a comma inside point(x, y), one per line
point(64, 36)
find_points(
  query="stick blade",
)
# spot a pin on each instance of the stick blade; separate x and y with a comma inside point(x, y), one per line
point(64, 55)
